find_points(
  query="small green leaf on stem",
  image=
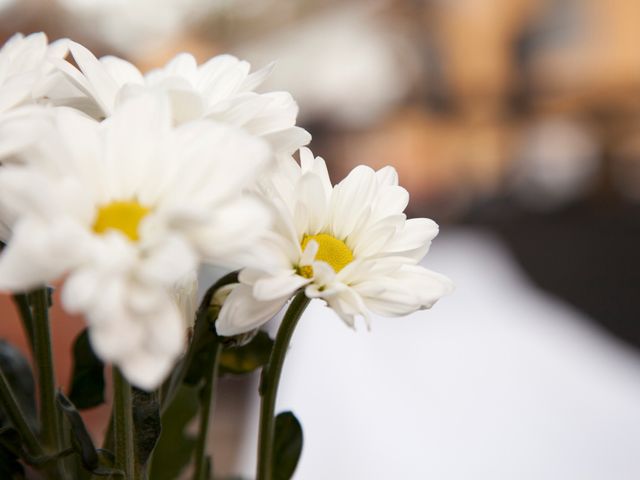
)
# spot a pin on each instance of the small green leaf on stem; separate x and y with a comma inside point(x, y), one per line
point(247, 358)
point(175, 446)
point(287, 446)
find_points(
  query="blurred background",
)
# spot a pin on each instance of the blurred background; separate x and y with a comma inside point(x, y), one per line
point(515, 124)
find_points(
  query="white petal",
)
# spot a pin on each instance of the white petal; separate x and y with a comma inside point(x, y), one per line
point(239, 110)
point(279, 112)
point(80, 289)
point(168, 262)
point(241, 312)
point(348, 304)
point(14, 94)
point(413, 288)
point(289, 140)
point(414, 239)
point(350, 198)
point(221, 76)
point(77, 80)
point(311, 194)
point(257, 78)
point(185, 295)
point(249, 275)
point(232, 232)
point(121, 71)
point(58, 48)
point(186, 105)
point(81, 148)
point(318, 166)
point(143, 346)
point(324, 281)
point(21, 129)
point(102, 85)
point(216, 161)
point(390, 200)
point(309, 253)
point(38, 253)
point(144, 370)
point(387, 176)
point(372, 240)
point(277, 287)
point(27, 192)
point(167, 329)
point(132, 137)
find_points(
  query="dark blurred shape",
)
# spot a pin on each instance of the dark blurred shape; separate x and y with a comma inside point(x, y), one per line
point(17, 370)
point(585, 253)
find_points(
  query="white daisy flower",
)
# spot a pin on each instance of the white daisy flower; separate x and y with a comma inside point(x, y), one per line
point(26, 77)
point(124, 211)
point(25, 68)
point(349, 245)
point(221, 89)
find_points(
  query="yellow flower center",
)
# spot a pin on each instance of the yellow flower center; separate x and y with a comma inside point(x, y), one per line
point(330, 250)
point(122, 216)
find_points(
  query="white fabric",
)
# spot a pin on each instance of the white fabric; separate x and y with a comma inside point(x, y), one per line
point(499, 381)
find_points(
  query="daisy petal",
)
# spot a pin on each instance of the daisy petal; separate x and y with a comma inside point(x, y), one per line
point(121, 71)
point(271, 288)
point(413, 288)
point(258, 77)
point(414, 239)
point(39, 253)
point(104, 88)
point(289, 140)
point(350, 197)
point(241, 312)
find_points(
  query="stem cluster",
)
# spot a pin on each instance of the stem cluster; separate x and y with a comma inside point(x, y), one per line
point(47, 448)
point(269, 385)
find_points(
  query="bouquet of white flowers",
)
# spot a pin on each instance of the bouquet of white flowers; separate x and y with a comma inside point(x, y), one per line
point(119, 186)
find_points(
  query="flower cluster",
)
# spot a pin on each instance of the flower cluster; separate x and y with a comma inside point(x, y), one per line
point(121, 185)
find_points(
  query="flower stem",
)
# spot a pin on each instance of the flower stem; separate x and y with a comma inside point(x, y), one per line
point(269, 385)
point(201, 327)
point(46, 375)
point(207, 401)
point(18, 420)
point(22, 302)
point(123, 425)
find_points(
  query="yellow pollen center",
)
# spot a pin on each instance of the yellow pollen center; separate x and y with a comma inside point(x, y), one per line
point(330, 250)
point(122, 216)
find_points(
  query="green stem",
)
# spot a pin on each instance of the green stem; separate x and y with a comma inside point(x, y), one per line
point(123, 425)
point(22, 302)
point(46, 375)
point(200, 329)
point(269, 385)
point(207, 401)
point(18, 420)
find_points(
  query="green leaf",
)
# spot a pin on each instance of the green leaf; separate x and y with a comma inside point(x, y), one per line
point(287, 446)
point(10, 467)
point(87, 379)
point(18, 372)
point(146, 421)
point(175, 446)
point(247, 358)
point(80, 438)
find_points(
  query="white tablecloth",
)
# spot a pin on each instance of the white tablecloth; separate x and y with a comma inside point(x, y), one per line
point(499, 381)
